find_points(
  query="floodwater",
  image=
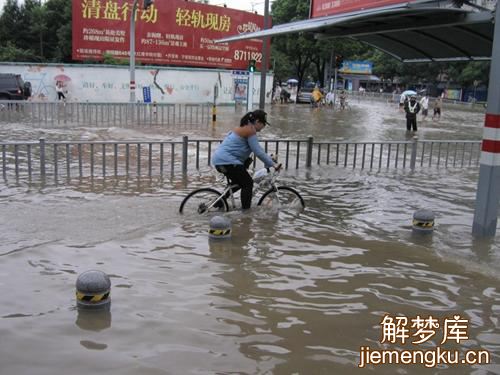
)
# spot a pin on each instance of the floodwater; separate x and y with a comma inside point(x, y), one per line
point(291, 293)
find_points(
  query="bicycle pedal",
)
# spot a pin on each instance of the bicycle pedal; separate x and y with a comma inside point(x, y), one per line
point(202, 208)
point(219, 204)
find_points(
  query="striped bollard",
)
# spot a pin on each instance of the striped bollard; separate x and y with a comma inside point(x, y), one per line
point(423, 221)
point(93, 291)
point(220, 228)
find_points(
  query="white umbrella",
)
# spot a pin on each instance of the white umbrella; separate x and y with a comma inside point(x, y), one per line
point(292, 80)
point(409, 93)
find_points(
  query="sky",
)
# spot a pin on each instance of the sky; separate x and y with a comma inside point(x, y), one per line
point(248, 5)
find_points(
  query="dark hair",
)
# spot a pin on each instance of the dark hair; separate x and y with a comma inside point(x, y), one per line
point(251, 117)
point(248, 118)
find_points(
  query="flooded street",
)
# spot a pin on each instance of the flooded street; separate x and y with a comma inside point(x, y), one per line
point(290, 293)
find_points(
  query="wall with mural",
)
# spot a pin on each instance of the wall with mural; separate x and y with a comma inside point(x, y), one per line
point(100, 83)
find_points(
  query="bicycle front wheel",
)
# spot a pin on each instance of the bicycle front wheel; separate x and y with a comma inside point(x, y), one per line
point(203, 201)
point(282, 196)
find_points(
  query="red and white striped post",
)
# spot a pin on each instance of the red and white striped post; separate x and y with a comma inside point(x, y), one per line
point(488, 189)
point(132, 91)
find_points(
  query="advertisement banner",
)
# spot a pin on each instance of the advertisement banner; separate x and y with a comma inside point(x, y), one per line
point(356, 67)
point(174, 32)
point(453, 94)
point(320, 8)
point(240, 90)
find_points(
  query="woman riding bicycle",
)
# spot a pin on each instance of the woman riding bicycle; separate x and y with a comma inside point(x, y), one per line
point(231, 156)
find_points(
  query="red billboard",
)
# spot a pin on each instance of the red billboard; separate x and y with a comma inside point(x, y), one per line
point(320, 8)
point(173, 32)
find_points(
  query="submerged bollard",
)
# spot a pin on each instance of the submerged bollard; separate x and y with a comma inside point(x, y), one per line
point(423, 221)
point(93, 291)
point(93, 320)
point(220, 228)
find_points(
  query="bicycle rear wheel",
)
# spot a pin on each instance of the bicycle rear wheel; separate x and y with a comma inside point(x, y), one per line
point(282, 196)
point(203, 201)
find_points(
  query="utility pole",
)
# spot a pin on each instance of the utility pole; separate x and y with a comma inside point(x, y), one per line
point(132, 53)
point(146, 5)
point(488, 189)
point(265, 59)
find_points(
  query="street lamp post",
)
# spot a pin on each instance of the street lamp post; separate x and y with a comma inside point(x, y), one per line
point(132, 52)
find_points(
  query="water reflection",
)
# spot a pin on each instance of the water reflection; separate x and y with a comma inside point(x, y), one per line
point(244, 306)
point(93, 320)
point(485, 249)
point(91, 345)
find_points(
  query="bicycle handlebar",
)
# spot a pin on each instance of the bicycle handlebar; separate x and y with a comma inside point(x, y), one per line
point(276, 168)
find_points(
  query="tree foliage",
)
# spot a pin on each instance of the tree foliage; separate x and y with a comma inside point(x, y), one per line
point(36, 31)
point(300, 46)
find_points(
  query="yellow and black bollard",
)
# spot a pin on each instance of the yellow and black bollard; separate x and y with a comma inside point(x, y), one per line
point(220, 228)
point(93, 291)
point(214, 114)
point(423, 221)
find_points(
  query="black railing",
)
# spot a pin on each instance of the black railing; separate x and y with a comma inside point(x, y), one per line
point(73, 114)
point(56, 159)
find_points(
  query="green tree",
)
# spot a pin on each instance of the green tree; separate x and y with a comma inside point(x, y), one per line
point(34, 17)
point(59, 30)
point(294, 52)
point(300, 54)
point(465, 74)
point(10, 23)
point(64, 34)
point(9, 52)
point(41, 30)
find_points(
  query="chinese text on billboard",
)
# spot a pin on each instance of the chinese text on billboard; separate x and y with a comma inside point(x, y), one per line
point(173, 32)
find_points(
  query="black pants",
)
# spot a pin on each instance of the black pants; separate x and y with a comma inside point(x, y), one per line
point(238, 174)
point(60, 96)
point(411, 122)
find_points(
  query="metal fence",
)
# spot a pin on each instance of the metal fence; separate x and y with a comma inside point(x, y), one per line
point(73, 114)
point(56, 160)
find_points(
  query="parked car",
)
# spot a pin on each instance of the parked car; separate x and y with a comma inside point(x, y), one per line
point(304, 95)
point(12, 87)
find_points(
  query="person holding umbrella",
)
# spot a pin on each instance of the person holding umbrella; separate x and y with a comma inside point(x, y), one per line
point(62, 81)
point(60, 91)
point(412, 107)
point(403, 99)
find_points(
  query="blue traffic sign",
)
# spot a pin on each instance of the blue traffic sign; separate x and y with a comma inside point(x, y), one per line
point(146, 93)
point(240, 73)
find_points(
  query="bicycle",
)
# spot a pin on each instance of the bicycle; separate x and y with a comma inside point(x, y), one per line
point(209, 200)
